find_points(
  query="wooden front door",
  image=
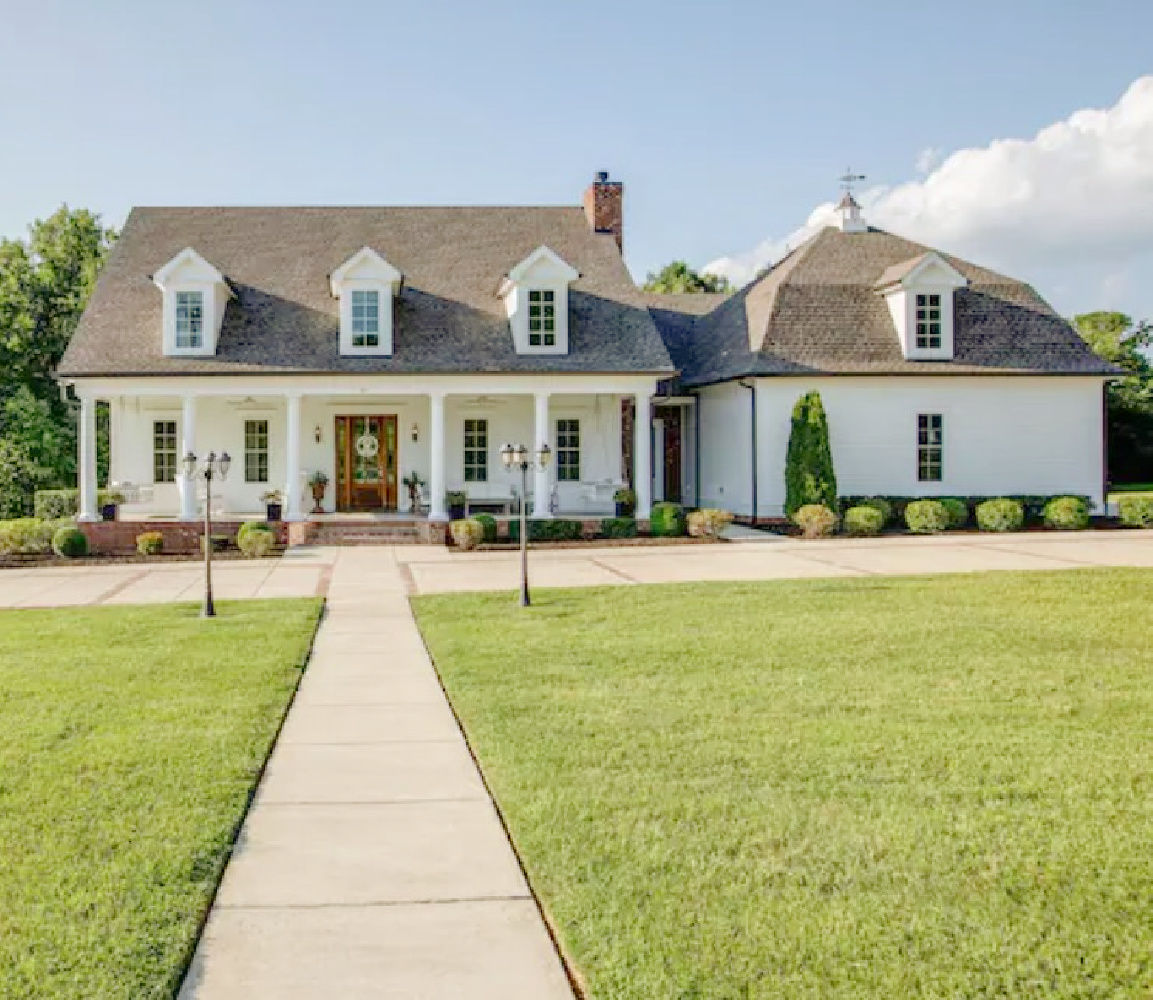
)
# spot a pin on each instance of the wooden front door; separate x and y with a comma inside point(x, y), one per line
point(366, 463)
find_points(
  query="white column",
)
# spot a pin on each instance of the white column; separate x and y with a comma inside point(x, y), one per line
point(541, 478)
point(87, 442)
point(292, 485)
point(643, 454)
point(187, 444)
point(436, 511)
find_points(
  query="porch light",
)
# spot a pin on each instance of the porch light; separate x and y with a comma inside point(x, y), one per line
point(415, 433)
point(189, 463)
point(316, 433)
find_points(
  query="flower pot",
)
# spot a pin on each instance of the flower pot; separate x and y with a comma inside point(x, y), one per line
point(108, 512)
point(625, 509)
point(318, 497)
point(273, 511)
point(456, 512)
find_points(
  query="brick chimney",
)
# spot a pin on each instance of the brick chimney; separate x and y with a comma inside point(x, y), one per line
point(604, 207)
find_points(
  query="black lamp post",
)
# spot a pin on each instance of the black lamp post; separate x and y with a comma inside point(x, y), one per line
point(214, 465)
point(517, 456)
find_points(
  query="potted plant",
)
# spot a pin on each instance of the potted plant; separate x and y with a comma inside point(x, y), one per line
point(413, 483)
point(273, 502)
point(626, 501)
point(110, 500)
point(455, 501)
point(318, 483)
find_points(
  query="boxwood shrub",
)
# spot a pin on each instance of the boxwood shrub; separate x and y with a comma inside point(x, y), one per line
point(1136, 511)
point(1033, 506)
point(552, 530)
point(488, 523)
point(863, 520)
point(619, 527)
point(1067, 514)
point(255, 539)
point(879, 504)
point(27, 536)
point(467, 533)
point(1002, 514)
point(958, 511)
point(815, 520)
point(927, 517)
point(151, 543)
point(667, 519)
point(69, 543)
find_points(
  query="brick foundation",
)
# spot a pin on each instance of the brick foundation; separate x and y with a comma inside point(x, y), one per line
point(180, 537)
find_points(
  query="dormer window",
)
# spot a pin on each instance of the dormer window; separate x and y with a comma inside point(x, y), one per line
point(929, 322)
point(536, 297)
point(541, 318)
point(195, 298)
point(366, 285)
point(920, 293)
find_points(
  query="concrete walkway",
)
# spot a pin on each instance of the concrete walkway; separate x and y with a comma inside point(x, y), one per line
point(373, 863)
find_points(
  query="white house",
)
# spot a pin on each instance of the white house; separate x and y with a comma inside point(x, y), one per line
point(371, 343)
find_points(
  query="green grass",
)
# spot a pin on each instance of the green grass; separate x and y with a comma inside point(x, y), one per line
point(130, 739)
point(910, 787)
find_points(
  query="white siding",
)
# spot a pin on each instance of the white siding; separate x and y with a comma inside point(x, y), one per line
point(725, 458)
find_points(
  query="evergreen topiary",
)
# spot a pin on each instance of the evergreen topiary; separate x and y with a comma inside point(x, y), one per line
point(927, 517)
point(667, 520)
point(69, 543)
point(809, 476)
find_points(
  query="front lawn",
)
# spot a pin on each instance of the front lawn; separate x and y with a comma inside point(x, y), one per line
point(909, 787)
point(130, 739)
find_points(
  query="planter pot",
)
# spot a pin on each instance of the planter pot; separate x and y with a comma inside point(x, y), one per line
point(456, 512)
point(318, 498)
point(625, 509)
point(108, 512)
point(273, 511)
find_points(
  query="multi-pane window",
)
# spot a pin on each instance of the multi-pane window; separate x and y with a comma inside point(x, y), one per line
point(365, 318)
point(189, 319)
point(256, 451)
point(164, 451)
point(929, 322)
point(930, 447)
point(476, 451)
point(541, 318)
point(568, 450)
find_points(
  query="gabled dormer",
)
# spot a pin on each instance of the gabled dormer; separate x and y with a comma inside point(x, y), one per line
point(535, 296)
point(920, 293)
point(366, 285)
point(195, 296)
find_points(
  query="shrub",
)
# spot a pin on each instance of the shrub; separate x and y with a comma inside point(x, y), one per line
point(809, 476)
point(1067, 514)
point(708, 522)
point(54, 505)
point(863, 520)
point(667, 519)
point(467, 533)
point(1002, 514)
point(619, 527)
point(488, 522)
point(958, 511)
point(879, 504)
point(257, 542)
point(27, 536)
point(815, 520)
point(151, 543)
point(551, 530)
point(1136, 511)
point(927, 517)
point(69, 543)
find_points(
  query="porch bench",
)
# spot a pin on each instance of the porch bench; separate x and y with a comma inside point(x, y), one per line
point(484, 506)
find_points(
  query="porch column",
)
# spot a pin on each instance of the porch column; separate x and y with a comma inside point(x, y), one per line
point(643, 454)
point(541, 478)
point(436, 511)
point(87, 444)
point(187, 445)
point(292, 511)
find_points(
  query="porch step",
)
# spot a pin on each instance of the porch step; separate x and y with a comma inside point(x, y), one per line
point(366, 534)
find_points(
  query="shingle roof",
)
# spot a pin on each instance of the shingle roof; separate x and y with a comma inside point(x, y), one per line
point(283, 319)
point(818, 312)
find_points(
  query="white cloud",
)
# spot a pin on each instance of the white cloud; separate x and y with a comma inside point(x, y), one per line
point(1070, 209)
point(927, 159)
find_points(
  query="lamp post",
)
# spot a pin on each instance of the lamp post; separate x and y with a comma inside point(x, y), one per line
point(517, 456)
point(212, 466)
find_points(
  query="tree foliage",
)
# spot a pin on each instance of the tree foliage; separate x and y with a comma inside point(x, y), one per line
point(809, 475)
point(1129, 400)
point(45, 281)
point(679, 278)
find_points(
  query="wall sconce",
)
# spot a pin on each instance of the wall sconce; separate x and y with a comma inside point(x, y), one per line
point(316, 433)
point(415, 433)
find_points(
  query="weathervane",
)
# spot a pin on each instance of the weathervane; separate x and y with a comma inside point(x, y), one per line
point(848, 179)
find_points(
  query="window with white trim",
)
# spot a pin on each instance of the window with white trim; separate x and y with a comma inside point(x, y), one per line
point(189, 319)
point(164, 451)
point(541, 318)
point(256, 451)
point(365, 318)
point(930, 447)
point(476, 451)
point(568, 451)
point(929, 322)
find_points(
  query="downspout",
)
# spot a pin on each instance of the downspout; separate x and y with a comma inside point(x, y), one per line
point(753, 437)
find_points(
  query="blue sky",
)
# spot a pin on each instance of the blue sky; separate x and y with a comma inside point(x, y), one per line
point(728, 122)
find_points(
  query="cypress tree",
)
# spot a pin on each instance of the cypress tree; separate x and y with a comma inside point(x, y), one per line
point(809, 476)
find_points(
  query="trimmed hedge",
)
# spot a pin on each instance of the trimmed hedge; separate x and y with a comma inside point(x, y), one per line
point(863, 520)
point(816, 520)
point(667, 520)
point(488, 523)
point(1136, 511)
point(619, 527)
point(1033, 505)
point(958, 511)
point(28, 536)
point(1002, 514)
point(69, 543)
point(927, 517)
point(552, 530)
point(1067, 514)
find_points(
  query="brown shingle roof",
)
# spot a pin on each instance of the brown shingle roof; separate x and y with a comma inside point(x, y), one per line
point(283, 319)
point(818, 312)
